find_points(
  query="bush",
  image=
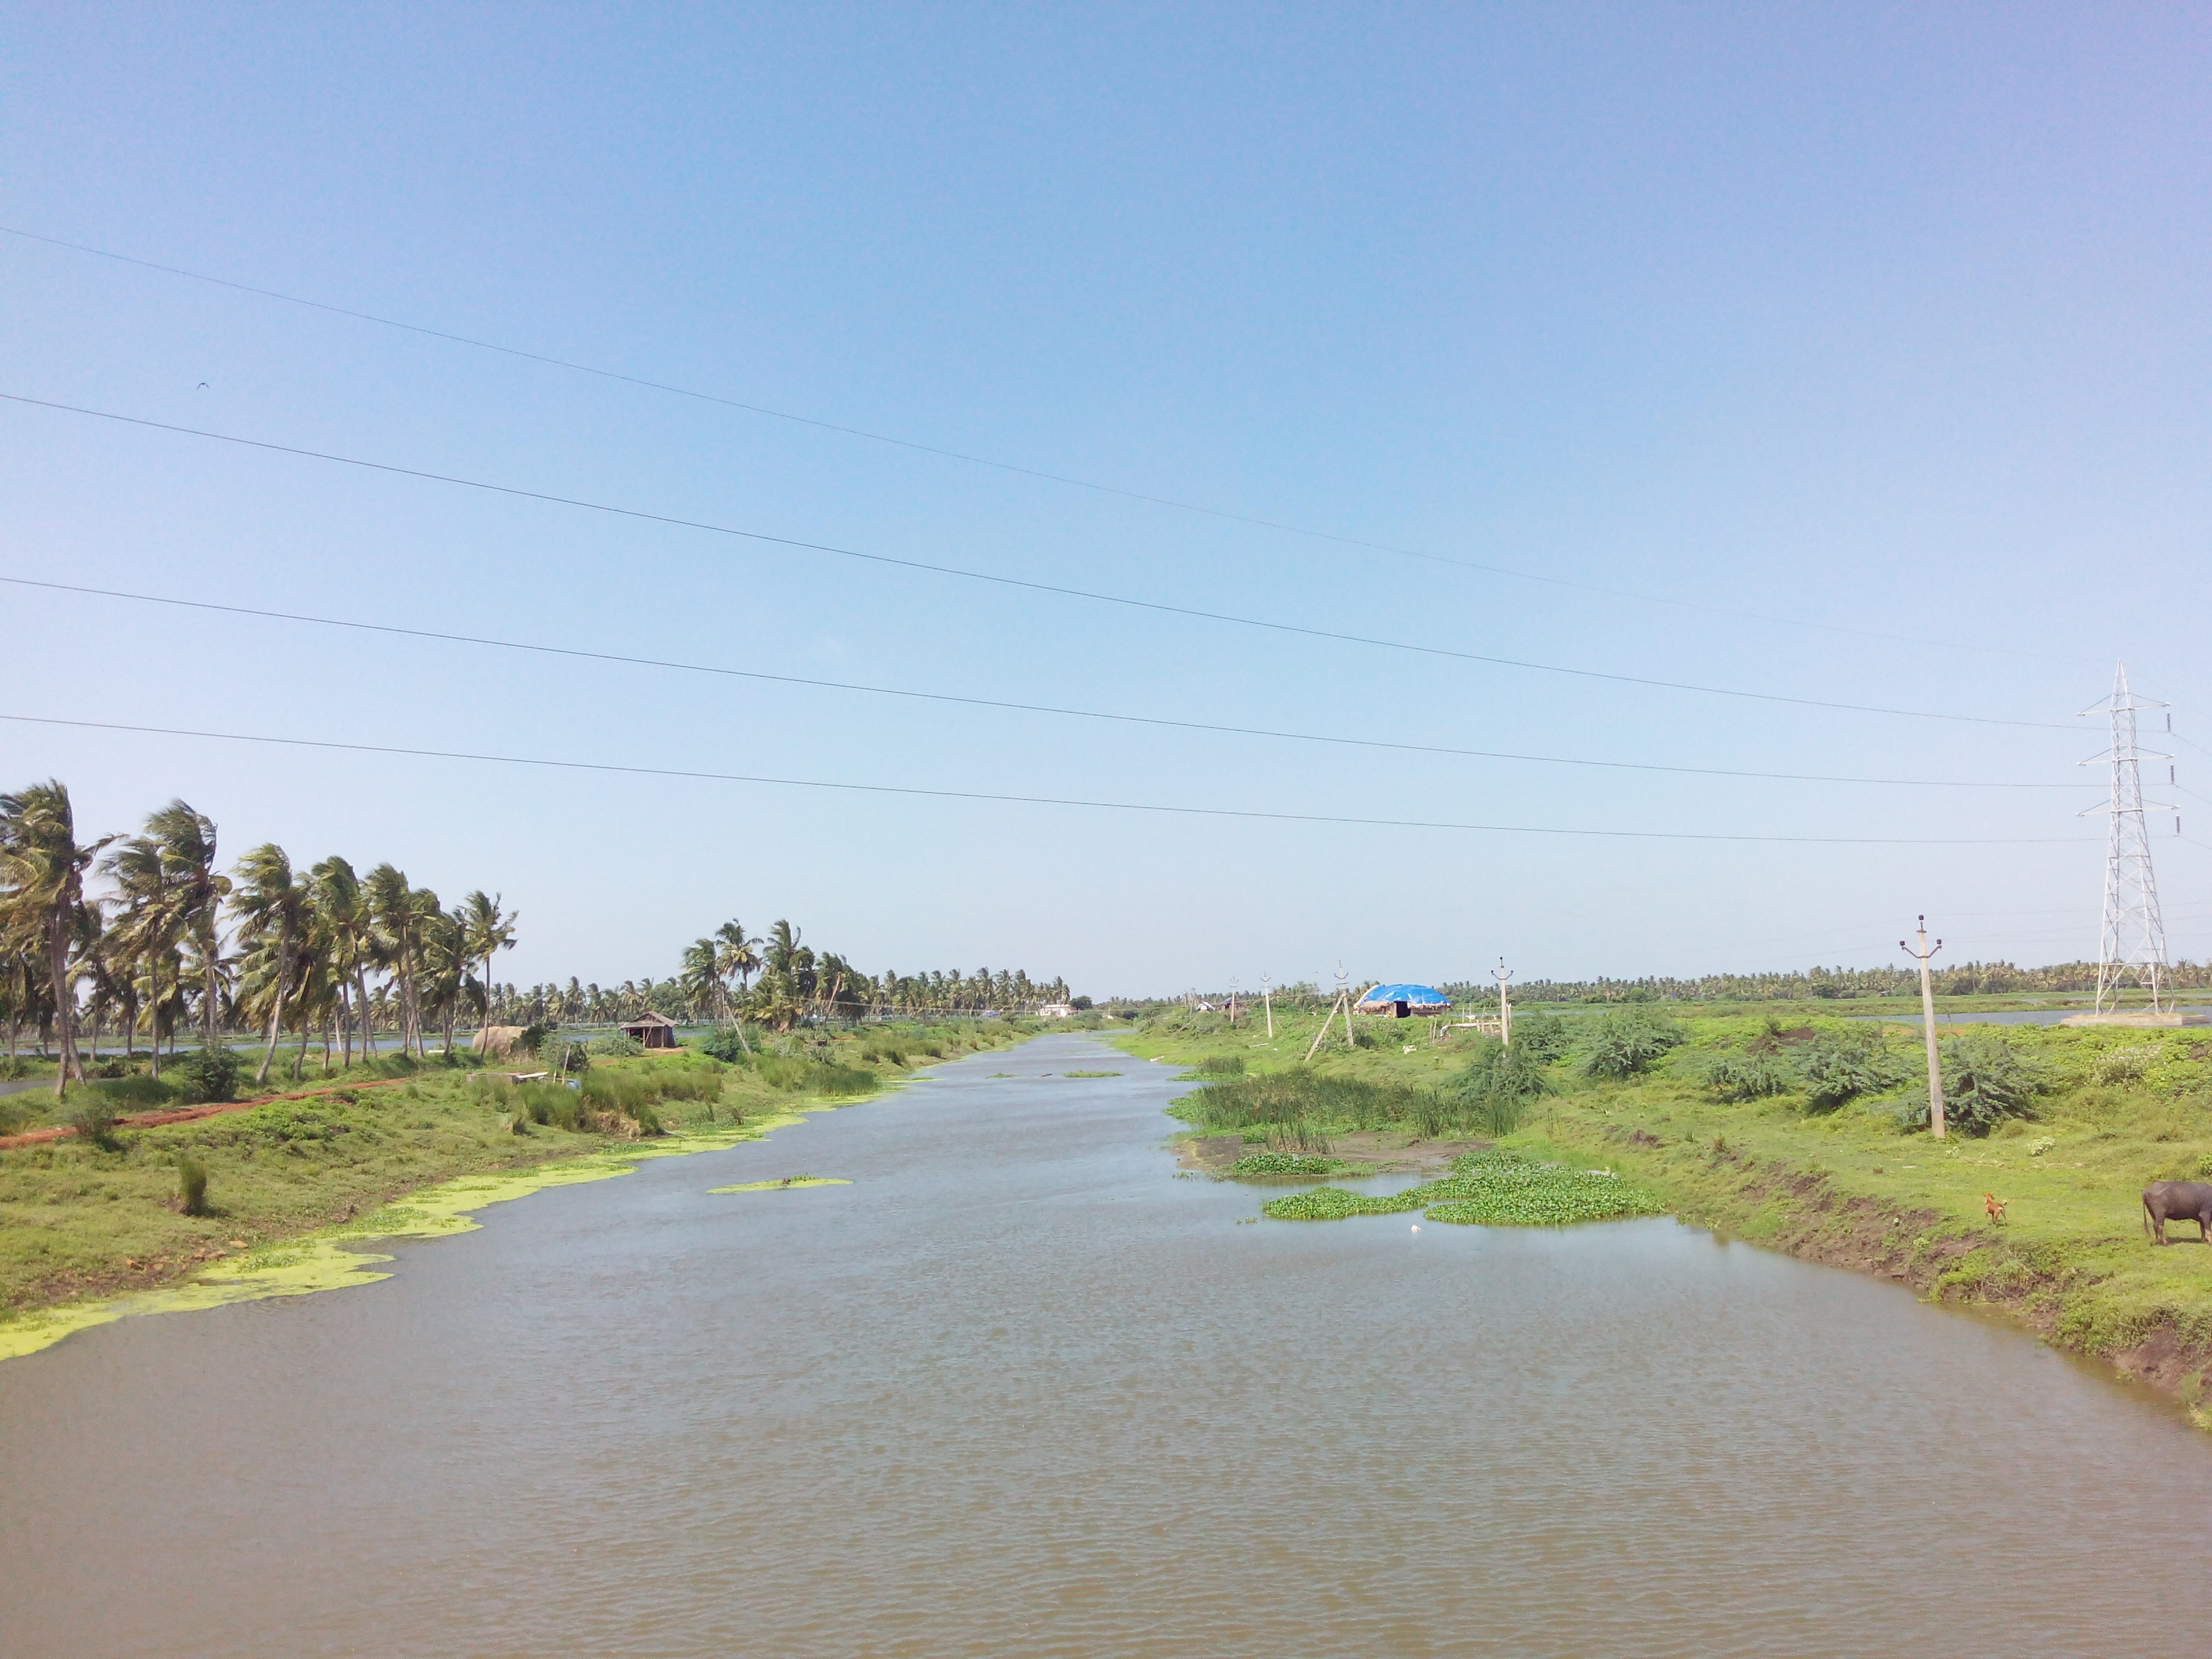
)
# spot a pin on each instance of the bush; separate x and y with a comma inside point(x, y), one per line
point(1622, 1043)
point(1985, 1081)
point(1494, 1088)
point(1543, 1037)
point(616, 1046)
point(1745, 1076)
point(2128, 1065)
point(139, 1094)
point(1295, 1095)
point(1221, 1065)
point(1838, 1066)
point(93, 1118)
point(192, 1185)
point(212, 1074)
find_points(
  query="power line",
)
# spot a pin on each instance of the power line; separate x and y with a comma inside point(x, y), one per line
point(1028, 800)
point(991, 702)
point(1224, 514)
point(1022, 583)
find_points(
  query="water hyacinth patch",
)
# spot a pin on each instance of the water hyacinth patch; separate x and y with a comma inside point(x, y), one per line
point(1333, 1204)
point(1486, 1189)
point(1310, 1164)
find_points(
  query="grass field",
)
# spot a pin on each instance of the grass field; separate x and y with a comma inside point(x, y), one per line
point(2101, 1113)
point(79, 1220)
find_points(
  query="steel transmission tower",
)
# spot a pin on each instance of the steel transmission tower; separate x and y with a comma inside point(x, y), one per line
point(2133, 951)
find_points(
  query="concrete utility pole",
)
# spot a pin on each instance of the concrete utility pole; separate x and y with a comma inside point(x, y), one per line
point(1232, 1002)
point(1927, 1028)
point(1266, 1001)
point(1501, 974)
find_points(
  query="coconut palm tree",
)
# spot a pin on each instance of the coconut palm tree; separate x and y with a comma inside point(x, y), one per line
point(735, 956)
point(42, 869)
point(402, 914)
point(186, 840)
point(273, 911)
point(343, 906)
point(700, 978)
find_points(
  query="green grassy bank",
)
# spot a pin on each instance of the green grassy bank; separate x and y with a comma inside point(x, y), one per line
point(1787, 1132)
point(83, 1219)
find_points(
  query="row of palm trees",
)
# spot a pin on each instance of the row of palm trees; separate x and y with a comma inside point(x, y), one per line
point(715, 980)
point(153, 951)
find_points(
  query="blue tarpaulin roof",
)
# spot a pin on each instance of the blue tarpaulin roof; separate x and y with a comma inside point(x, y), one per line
point(1418, 995)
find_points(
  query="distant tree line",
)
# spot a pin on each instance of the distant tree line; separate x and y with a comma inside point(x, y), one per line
point(1960, 978)
point(732, 977)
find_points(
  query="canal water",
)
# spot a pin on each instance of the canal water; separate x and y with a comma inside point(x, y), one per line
point(1020, 1390)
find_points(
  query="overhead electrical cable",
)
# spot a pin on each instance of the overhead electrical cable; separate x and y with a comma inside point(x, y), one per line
point(963, 456)
point(1023, 584)
point(677, 666)
point(1036, 800)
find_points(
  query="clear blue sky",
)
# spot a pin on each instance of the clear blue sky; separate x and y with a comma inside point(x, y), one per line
point(1887, 325)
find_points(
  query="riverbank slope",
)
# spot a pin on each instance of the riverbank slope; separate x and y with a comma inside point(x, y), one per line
point(85, 1219)
point(2111, 1110)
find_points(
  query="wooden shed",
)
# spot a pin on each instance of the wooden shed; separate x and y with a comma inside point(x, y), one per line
point(651, 1029)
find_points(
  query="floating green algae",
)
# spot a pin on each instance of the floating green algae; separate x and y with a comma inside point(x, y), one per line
point(779, 1185)
point(325, 1260)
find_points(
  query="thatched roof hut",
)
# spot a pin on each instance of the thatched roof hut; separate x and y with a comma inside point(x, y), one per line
point(652, 1029)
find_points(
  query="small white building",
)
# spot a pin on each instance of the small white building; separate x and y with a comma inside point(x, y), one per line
point(1055, 1011)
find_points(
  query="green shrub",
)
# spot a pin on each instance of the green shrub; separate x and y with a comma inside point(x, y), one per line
point(192, 1185)
point(2128, 1065)
point(1221, 1065)
point(140, 1094)
point(1493, 1089)
point(93, 1117)
point(1838, 1066)
point(1745, 1076)
point(1623, 1043)
point(1985, 1081)
point(1287, 1096)
point(212, 1074)
point(617, 1045)
point(1543, 1038)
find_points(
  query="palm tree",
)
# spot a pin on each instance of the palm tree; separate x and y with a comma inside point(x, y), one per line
point(273, 911)
point(700, 979)
point(343, 906)
point(734, 956)
point(445, 960)
point(186, 840)
point(402, 913)
point(42, 890)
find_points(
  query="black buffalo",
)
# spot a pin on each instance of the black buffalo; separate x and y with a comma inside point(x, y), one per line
point(2178, 1201)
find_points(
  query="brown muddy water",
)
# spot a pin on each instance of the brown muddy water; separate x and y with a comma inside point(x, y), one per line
point(1018, 1390)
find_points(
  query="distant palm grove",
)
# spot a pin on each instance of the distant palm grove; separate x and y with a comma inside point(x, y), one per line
point(147, 936)
point(795, 983)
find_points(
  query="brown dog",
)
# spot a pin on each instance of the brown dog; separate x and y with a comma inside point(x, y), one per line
point(1996, 1207)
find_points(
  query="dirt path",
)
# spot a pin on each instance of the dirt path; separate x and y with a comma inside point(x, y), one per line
point(185, 1114)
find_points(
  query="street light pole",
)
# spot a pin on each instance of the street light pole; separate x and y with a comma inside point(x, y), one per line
point(1927, 1027)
